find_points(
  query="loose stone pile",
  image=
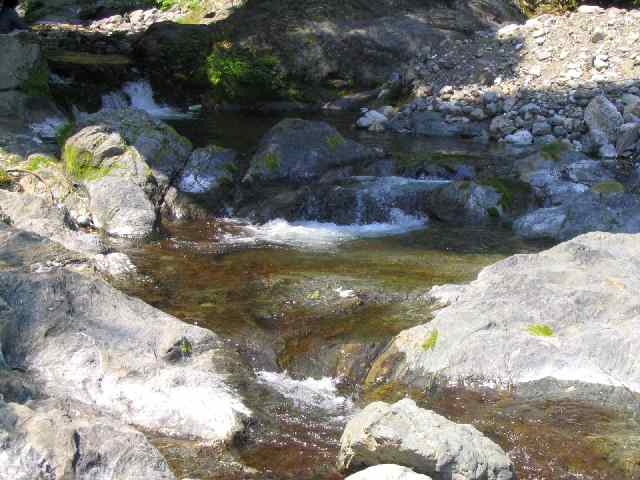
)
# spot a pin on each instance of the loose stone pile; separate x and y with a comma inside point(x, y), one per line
point(570, 78)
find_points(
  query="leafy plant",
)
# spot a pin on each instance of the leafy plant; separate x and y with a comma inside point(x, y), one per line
point(186, 349)
point(540, 330)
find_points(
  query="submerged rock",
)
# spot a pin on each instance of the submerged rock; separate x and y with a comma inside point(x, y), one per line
point(387, 472)
point(404, 434)
point(568, 313)
point(53, 439)
point(300, 152)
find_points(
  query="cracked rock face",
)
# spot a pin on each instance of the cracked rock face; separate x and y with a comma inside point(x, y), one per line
point(52, 439)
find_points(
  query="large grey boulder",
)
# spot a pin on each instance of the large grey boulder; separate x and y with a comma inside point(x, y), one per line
point(603, 119)
point(387, 472)
point(404, 434)
point(83, 341)
point(300, 152)
point(20, 60)
point(51, 439)
point(569, 313)
point(158, 145)
point(127, 161)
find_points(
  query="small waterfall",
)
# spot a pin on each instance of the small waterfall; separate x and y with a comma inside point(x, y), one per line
point(139, 95)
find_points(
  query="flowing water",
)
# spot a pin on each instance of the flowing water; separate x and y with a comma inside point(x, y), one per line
point(309, 305)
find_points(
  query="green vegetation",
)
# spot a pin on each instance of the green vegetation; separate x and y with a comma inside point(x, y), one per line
point(271, 161)
point(242, 74)
point(554, 150)
point(418, 159)
point(430, 342)
point(537, 7)
point(5, 179)
point(509, 189)
point(64, 132)
point(37, 84)
point(608, 186)
point(493, 212)
point(78, 164)
point(186, 349)
point(38, 161)
point(334, 141)
point(540, 330)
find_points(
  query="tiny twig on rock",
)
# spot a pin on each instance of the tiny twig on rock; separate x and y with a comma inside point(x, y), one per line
point(20, 171)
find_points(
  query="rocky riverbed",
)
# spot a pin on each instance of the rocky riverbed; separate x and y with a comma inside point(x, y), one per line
point(190, 293)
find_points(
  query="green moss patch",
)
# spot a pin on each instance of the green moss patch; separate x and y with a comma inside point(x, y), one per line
point(83, 58)
point(608, 186)
point(540, 330)
point(78, 164)
point(554, 150)
point(271, 161)
point(509, 189)
point(430, 342)
point(38, 161)
point(64, 132)
point(243, 75)
point(334, 141)
point(37, 83)
point(5, 179)
point(419, 159)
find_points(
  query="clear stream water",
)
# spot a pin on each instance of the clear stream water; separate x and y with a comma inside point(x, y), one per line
point(308, 305)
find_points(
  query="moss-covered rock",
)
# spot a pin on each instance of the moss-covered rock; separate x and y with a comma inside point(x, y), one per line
point(127, 161)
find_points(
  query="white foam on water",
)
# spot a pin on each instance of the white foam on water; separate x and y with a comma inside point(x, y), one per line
point(311, 234)
point(139, 95)
point(310, 392)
